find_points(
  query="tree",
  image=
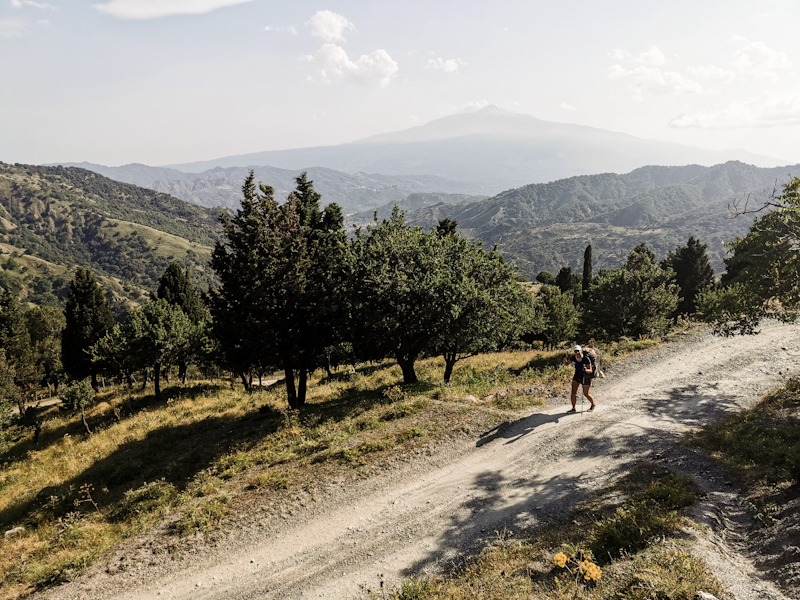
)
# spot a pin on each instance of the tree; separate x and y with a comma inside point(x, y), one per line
point(564, 279)
point(559, 318)
point(175, 286)
point(640, 257)
point(546, 278)
point(397, 273)
point(693, 273)
point(88, 319)
point(763, 272)
point(486, 305)
point(16, 342)
point(77, 397)
point(8, 394)
point(45, 325)
point(282, 270)
point(587, 269)
point(633, 301)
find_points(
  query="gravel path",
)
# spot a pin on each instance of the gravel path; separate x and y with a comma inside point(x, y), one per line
point(448, 501)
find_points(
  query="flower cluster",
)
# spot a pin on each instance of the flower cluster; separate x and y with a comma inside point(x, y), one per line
point(580, 568)
point(589, 570)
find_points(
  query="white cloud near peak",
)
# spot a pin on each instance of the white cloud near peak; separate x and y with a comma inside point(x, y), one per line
point(769, 109)
point(155, 9)
point(655, 81)
point(13, 28)
point(330, 26)
point(334, 66)
point(450, 65)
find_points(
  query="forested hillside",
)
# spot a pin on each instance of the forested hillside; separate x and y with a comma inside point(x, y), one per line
point(73, 217)
point(545, 226)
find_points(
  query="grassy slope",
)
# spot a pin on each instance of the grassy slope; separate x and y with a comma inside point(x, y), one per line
point(71, 217)
point(207, 445)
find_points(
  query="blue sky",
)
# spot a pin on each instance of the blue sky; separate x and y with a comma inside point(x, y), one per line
point(169, 81)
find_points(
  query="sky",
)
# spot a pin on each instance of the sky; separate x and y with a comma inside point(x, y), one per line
point(172, 81)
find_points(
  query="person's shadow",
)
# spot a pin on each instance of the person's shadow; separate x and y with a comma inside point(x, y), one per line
point(511, 432)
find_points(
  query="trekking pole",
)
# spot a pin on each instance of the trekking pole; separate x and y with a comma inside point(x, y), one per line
point(582, 396)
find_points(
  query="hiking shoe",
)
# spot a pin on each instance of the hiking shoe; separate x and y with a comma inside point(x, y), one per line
point(591, 408)
point(572, 410)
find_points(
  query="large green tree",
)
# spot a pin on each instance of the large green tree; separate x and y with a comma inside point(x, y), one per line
point(763, 271)
point(88, 319)
point(45, 326)
point(636, 300)
point(558, 318)
point(175, 286)
point(16, 342)
point(693, 273)
point(486, 305)
point(281, 268)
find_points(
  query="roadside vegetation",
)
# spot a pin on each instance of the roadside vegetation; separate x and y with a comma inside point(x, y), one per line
point(627, 542)
point(761, 448)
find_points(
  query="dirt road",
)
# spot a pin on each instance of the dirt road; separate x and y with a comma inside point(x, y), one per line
point(524, 475)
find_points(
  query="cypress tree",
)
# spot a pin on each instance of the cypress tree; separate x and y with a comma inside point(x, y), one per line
point(587, 268)
point(693, 272)
point(88, 319)
point(175, 286)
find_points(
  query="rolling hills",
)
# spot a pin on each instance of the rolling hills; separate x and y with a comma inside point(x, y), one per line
point(53, 219)
point(547, 226)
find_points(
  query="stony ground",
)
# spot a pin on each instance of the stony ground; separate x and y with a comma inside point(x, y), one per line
point(427, 509)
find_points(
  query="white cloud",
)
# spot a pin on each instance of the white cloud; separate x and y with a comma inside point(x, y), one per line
point(712, 73)
point(330, 26)
point(451, 65)
point(770, 109)
point(21, 3)
point(334, 66)
point(759, 61)
point(655, 81)
point(13, 28)
point(566, 106)
point(287, 28)
point(154, 9)
point(652, 57)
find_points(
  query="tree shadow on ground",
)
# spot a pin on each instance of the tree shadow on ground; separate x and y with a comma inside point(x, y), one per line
point(515, 430)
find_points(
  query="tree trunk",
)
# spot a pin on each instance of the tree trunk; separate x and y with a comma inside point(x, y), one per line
point(245, 380)
point(291, 392)
point(85, 424)
point(144, 379)
point(129, 379)
point(95, 387)
point(407, 366)
point(449, 362)
point(182, 369)
point(157, 379)
point(328, 365)
point(302, 384)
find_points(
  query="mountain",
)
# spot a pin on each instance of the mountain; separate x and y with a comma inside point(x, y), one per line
point(547, 226)
point(222, 187)
point(412, 203)
point(53, 219)
point(492, 148)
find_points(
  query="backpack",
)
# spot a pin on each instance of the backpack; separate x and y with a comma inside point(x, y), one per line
point(592, 354)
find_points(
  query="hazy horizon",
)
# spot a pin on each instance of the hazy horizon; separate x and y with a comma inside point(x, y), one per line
point(162, 82)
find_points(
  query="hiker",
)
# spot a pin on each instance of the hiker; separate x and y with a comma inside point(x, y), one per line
point(584, 372)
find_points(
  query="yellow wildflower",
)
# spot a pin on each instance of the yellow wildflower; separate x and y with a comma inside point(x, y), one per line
point(560, 560)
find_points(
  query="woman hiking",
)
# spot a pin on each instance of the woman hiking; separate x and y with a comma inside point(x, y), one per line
point(584, 373)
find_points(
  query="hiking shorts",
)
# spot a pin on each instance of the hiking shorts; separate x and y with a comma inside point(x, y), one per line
point(583, 380)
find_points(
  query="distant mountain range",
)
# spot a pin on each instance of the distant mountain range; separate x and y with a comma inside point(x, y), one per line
point(222, 186)
point(547, 226)
point(491, 150)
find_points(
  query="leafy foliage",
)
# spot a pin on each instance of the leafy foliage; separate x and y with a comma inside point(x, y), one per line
point(559, 318)
point(281, 268)
point(764, 271)
point(693, 273)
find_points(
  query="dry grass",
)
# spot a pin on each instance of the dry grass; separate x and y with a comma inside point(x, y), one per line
point(647, 562)
point(203, 448)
